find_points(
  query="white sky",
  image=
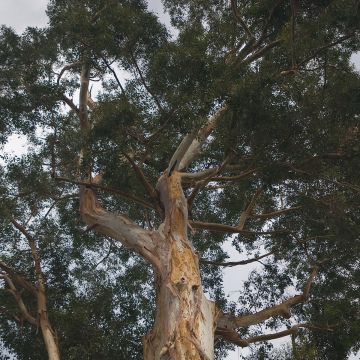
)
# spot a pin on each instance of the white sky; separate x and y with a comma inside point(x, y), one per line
point(22, 13)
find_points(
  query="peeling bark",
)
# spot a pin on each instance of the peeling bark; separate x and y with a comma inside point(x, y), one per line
point(184, 322)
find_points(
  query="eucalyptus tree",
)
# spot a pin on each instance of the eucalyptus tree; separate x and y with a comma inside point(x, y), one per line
point(241, 119)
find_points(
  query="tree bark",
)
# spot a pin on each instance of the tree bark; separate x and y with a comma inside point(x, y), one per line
point(185, 320)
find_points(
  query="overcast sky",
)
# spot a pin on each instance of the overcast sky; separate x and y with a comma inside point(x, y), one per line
point(22, 13)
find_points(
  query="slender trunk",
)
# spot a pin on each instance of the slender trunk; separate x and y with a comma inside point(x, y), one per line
point(45, 326)
point(184, 322)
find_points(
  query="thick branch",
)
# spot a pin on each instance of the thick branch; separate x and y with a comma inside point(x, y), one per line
point(235, 263)
point(34, 252)
point(233, 337)
point(261, 52)
point(190, 147)
point(228, 321)
point(70, 103)
point(118, 227)
point(201, 175)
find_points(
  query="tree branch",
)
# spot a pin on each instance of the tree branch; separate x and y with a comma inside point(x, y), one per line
point(261, 52)
point(157, 102)
point(17, 296)
point(235, 263)
point(246, 213)
point(233, 229)
point(275, 213)
point(118, 227)
point(322, 48)
point(111, 190)
point(71, 104)
point(233, 337)
point(228, 321)
point(239, 19)
point(20, 280)
point(114, 73)
point(67, 67)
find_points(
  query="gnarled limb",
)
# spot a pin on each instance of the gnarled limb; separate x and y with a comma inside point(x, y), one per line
point(228, 321)
point(118, 227)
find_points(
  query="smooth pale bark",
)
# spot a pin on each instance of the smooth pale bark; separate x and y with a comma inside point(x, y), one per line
point(185, 320)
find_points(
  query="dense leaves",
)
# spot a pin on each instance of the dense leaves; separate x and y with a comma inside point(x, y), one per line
point(291, 128)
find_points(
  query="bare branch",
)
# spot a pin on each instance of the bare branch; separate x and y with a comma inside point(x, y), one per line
point(228, 321)
point(235, 263)
point(67, 67)
point(324, 47)
point(157, 102)
point(114, 73)
point(17, 296)
point(201, 184)
point(233, 229)
point(261, 52)
point(241, 176)
point(201, 175)
point(239, 19)
point(147, 185)
point(233, 337)
point(275, 213)
point(194, 150)
point(83, 97)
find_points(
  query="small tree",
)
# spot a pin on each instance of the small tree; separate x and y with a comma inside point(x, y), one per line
point(244, 123)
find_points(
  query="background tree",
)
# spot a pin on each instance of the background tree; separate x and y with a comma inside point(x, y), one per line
point(245, 123)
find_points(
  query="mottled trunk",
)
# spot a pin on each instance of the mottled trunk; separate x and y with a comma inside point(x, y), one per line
point(45, 326)
point(184, 322)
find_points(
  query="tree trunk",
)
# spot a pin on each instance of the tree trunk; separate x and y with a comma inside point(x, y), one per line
point(45, 326)
point(185, 320)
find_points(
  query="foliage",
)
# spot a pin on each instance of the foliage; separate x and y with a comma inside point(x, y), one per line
point(292, 123)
